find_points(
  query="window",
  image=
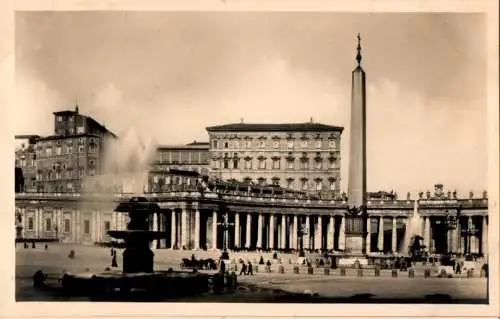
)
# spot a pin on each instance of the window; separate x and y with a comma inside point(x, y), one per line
point(262, 164)
point(290, 164)
point(92, 146)
point(69, 187)
point(290, 144)
point(318, 164)
point(59, 119)
point(30, 223)
point(215, 144)
point(304, 164)
point(81, 172)
point(81, 148)
point(276, 181)
point(262, 144)
point(48, 224)
point(58, 175)
point(86, 226)
point(58, 150)
point(318, 144)
point(332, 163)
point(248, 163)
point(236, 144)
point(215, 163)
point(304, 144)
point(226, 160)
point(332, 185)
point(276, 164)
point(289, 183)
point(226, 145)
point(80, 130)
point(71, 131)
point(331, 144)
point(319, 185)
point(67, 225)
point(262, 181)
point(276, 144)
point(49, 175)
point(107, 226)
point(48, 151)
point(235, 162)
point(249, 144)
point(303, 184)
point(69, 149)
point(71, 119)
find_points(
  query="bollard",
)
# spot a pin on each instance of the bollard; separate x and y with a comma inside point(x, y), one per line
point(394, 273)
point(360, 272)
point(411, 273)
point(326, 271)
point(281, 270)
point(295, 269)
point(342, 271)
point(310, 270)
point(470, 273)
point(377, 271)
point(427, 273)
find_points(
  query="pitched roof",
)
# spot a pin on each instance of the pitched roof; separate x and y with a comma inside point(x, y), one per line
point(282, 127)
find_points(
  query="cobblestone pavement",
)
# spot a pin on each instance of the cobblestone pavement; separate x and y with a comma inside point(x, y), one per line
point(55, 260)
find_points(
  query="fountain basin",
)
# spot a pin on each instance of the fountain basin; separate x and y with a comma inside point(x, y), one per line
point(112, 284)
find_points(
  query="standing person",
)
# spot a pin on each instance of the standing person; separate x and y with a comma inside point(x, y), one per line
point(250, 270)
point(113, 260)
point(222, 266)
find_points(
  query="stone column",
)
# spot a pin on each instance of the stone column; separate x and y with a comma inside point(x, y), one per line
point(342, 233)
point(394, 233)
point(318, 233)
point(237, 230)
point(295, 243)
point(368, 235)
point(259, 231)
point(380, 242)
point(184, 229)
point(427, 233)
point(248, 230)
point(174, 230)
point(214, 230)
point(154, 243)
point(283, 231)
point(484, 236)
point(271, 231)
point(307, 238)
point(197, 229)
point(331, 232)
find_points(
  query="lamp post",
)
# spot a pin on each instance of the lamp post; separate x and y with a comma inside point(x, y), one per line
point(225, 225)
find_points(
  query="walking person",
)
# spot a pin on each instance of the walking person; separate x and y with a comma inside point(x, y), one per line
point(243, 269)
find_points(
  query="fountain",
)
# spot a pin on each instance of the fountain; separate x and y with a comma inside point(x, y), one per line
point(138, 277)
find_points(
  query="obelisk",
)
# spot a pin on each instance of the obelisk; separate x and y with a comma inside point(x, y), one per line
point(356, 192)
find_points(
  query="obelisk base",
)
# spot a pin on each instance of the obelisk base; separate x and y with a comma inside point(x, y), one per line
point(354, 244)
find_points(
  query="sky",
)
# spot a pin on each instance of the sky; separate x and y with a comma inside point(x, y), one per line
point(166, 76)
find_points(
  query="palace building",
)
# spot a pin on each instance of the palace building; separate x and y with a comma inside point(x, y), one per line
point(298, 156)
